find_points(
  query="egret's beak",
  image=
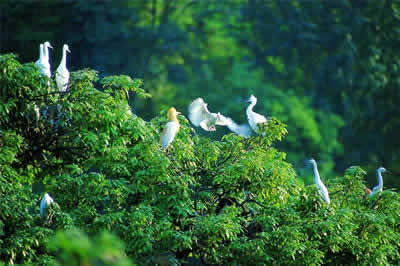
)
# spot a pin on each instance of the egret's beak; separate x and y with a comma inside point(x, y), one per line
point(50, 46)
point(393, 173)
point(178, 113)
point(68, 50)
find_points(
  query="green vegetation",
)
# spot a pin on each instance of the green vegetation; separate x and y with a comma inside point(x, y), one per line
point(122, 200)
point(328, 69)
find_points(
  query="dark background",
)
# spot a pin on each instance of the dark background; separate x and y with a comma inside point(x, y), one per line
point(328, 69)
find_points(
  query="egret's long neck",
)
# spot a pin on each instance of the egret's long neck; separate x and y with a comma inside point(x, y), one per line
point(250, 107)
point(317, 178)
point(64, 58)
point(46, 52)
point(172, 117)
point(380, 180)
point(41, 51)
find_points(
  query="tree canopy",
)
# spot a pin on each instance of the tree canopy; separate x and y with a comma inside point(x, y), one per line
point(121, 200)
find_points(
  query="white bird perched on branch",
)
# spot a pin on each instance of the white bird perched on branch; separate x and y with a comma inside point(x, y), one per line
point(323, 191)
point(44, 204)
point(43, 62)
point(253, 117)
point(379, 187)
point(199, 115)
point(171, 128)
point(62, 73)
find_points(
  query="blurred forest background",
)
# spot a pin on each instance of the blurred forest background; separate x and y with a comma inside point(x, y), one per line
point(328, 69)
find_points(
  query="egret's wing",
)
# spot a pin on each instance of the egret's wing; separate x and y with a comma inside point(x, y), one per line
point(169, 133)
point(62, 72)
point(207, 125)
point(259, 118)
point(221, 120)
point(242, 130)
point(46, 62)
point(323, 191)
point(375, 190)
point(198, 112)
point(62, 78)
point(46, 69)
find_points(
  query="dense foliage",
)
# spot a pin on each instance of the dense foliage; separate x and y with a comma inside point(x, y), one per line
point(328, 69)
point(121, 200)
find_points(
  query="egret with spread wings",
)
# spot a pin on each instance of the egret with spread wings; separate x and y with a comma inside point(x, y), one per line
point(199, 115)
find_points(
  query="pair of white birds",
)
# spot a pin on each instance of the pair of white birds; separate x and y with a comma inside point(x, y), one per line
point(323, 191)
point(62, 73)
point(199, 115)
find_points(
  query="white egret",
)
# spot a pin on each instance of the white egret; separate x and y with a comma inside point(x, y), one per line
point(379, 187)
point(320, 186)
point(199, 115)
point(171, 128)
point(41, 62)
point(253, 117)
point(44, 204)
point(46, 60)
point(62, 73)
